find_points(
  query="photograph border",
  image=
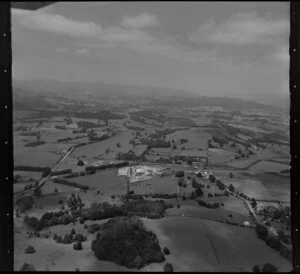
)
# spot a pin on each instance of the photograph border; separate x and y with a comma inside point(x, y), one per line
point(6, 141)
point(6, 136)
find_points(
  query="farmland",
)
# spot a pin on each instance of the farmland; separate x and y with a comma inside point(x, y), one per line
point(190, 173)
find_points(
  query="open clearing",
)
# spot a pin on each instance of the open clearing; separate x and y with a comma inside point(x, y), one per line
point(198, 245)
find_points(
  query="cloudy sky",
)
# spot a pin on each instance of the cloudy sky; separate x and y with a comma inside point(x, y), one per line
point(237, 49)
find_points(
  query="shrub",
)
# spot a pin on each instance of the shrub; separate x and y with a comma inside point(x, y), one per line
point(269, 268)
point(261, 231)
point(230, 215)
point(80, 163)
point(25, 203)
point(178, 206)
point(60, 202)
point(168, 267)
point(77, 246)
point(27, 267)
point(212, 178)
point(166, 251)
point(210, 195)
point(256, 268)
point(29, 250)
point(179, 174)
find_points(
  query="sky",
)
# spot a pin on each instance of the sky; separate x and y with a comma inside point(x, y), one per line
point(227, 49)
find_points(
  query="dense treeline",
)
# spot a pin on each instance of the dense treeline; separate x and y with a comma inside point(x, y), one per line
point(208, 205)
point(68, 183)
point(31, 168)
point(60, 172)
point(92, 169)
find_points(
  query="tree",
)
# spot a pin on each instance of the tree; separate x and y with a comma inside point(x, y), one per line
point(231, 175)
point(179, 174)
point(168, 268)
point(27, 267)
point(30, 250)
point(212, 178)
point(77, 246)
point(256, 268)
point(80, 163)
point(190, 162)
point(261, 231)
point(269, 268)
point(37, 192)
point(166, 251)
point(118, 144)
point(231, 187)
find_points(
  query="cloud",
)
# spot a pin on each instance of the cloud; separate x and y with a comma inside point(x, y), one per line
point(58, 24)
point(113, 36)
point(82, 51)
point(242, 29)
point(61, 50)
point(140, 21)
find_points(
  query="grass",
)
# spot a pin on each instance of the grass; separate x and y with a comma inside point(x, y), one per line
point(207, 247)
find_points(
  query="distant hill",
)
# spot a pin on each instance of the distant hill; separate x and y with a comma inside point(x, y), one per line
point(103, 91)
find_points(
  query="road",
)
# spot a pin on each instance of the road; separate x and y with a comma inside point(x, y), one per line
point(250, 209)
point(44, 180)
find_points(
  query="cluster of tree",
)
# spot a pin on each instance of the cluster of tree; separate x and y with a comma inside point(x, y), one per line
point(31, 168)
point(168, 267)
point(135, 128)
point(75, 203)
point(92, 169)
point(208, 205)
point(92, 228)
point(87, 124)
point(274, 242)
point(60, 172)
point(162, 160)
point(70, 238)
point(60, 127)
point(244, 196)
point(49, 219)
point(68, 183)
point(231, 188)
point(94, 138)
point(75, 174)
point(221, 141)
point(163, 196)
point(126, 242)
point(220, 185)
point(27, 187)
point(156, 143)
point(25, 203)
point(34, 144)
point(183, 141)
point(69, 138)
point(29, 134)
point(267, 267)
